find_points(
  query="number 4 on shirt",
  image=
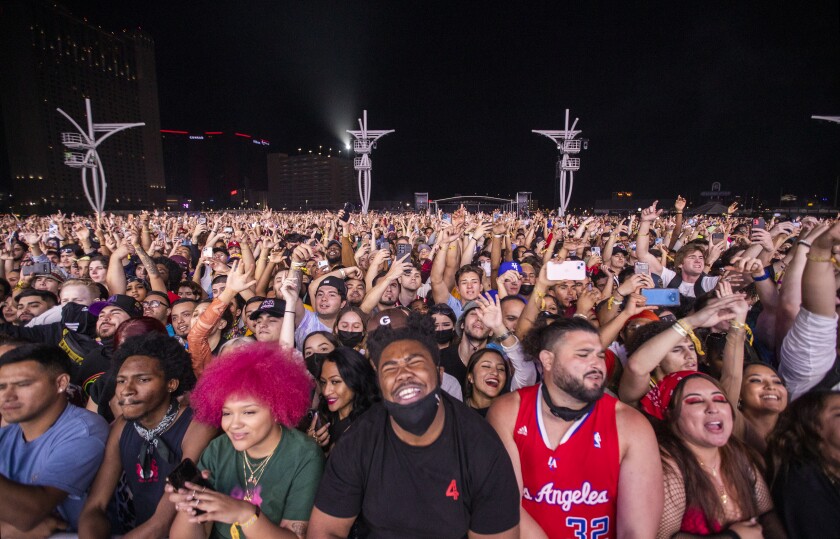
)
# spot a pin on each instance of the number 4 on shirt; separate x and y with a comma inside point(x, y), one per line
point(452, 491)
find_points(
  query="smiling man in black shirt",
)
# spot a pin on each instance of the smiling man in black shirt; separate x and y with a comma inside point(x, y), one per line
point(419, 464)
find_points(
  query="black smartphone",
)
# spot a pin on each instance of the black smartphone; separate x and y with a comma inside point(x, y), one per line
point(717, 237)
point(758, 222)
point(187, 471)
point(313, 414)
point(348, 209)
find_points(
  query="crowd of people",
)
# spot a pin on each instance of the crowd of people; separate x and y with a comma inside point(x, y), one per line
point(419, 375)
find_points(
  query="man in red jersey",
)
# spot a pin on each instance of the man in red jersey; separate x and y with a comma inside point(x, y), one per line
point(587, 465)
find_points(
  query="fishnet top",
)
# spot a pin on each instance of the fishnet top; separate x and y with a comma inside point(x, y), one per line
point(675, 502)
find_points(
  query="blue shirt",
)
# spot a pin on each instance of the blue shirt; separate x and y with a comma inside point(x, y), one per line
point(65, 457)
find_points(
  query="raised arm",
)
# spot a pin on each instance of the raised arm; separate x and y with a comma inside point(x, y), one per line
point(440, 288)
point(635, 378)
point(155, 280)
point(649, 215)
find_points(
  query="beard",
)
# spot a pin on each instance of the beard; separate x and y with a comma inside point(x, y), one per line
point(576, 388)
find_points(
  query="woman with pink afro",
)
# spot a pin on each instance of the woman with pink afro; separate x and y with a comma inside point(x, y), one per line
point(262, 475)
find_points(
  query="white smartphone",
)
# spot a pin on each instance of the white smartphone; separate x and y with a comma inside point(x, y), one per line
point(571, 270)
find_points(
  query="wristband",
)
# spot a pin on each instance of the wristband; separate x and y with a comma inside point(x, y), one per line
point(803, 242)
point(290, 312)
point(763, 277)
point(504, 336)
point(234, 532)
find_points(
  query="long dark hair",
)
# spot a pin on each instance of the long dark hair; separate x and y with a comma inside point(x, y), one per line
point(358, 375)
point(737, 464)
point(474, 359)
point(796, 440)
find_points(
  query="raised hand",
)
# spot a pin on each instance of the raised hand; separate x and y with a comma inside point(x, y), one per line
point(238, 279)
point(679, 204)
point(650, 213)
point(717, 310)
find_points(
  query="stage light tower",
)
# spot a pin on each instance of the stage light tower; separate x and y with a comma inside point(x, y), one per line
point(567, 145)
point(88, 158)
point(364, 143)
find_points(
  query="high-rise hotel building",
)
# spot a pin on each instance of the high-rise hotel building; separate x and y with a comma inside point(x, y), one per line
point(52, 59)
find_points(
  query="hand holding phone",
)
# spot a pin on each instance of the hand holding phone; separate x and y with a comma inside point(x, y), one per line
point(185, 472)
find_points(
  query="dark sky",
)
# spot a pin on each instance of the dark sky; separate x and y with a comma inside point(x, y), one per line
point(671, 95)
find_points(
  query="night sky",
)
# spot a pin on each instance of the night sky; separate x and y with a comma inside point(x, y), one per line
point(671, 95)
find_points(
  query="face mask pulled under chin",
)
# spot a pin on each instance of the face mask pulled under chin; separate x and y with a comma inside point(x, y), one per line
point(526, 289)
point(417, 416)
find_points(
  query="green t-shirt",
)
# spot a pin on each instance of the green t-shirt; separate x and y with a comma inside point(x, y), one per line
point(288, 485)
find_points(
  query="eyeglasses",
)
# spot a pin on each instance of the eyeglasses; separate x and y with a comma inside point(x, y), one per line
point(154, 304)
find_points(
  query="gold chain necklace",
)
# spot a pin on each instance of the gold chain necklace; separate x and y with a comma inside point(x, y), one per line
point(718, 481)
point(254, 473)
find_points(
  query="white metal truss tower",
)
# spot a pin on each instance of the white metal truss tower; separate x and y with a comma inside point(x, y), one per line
point(81, 153)
point(567, 146)
point(364, 143)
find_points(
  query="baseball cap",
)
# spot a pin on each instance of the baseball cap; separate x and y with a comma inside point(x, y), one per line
point(333, 242)
point(55, 273)
point(233, 243)
point(128, 304)
point(271, 307)
point(619, 250)
point(467, 308)
point(507, 266)
point(335, 282)
point(394, 317)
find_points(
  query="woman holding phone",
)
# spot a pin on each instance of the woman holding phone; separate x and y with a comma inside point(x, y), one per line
point(263, 474)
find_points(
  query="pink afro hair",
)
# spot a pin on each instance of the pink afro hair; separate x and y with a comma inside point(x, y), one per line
point(264, 371)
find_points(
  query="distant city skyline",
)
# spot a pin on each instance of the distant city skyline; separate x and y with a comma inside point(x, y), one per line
point(672, 97)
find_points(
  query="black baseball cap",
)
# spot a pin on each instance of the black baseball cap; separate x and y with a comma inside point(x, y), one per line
point(335, 282)
point(271, 307)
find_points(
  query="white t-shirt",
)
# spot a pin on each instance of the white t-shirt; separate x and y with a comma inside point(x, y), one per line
point(687, 289)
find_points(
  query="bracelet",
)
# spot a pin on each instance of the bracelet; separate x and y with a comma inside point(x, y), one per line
point(298, 265)
point(504, 336)
point(679, 329)
point(763, 277)
point(690, 334)
point(580, 315)
point(678, 212)
point(343, 275)
point(738, 326)
point(818, 259)
point(498, 235)
point(234, 533)
point(290, 312)
point(803, 242)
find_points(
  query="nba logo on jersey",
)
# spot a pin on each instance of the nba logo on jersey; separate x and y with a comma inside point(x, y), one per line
point(552, 463)
point(596, 440)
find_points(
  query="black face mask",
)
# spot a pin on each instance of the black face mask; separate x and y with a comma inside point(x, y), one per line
point(526, 289)
point(350, 338)
point(416, 417)
point(443, 336)
point(314, 363)
point(566, 414)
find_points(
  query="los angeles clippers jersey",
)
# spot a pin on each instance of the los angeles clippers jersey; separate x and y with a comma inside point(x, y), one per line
point(570, 491)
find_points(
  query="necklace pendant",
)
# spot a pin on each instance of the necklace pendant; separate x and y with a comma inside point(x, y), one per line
point(251, 479)
point(724, 499)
